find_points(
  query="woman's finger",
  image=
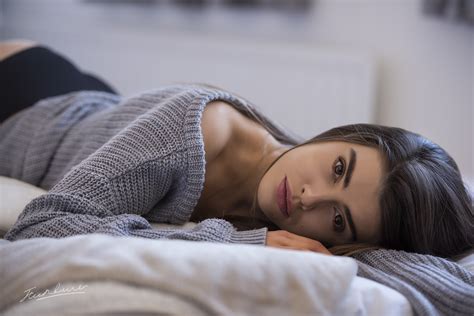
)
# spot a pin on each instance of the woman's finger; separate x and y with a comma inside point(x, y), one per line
point(287, 240)
point(293, 248)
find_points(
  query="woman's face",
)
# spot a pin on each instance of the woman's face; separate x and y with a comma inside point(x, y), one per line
point(330, 193)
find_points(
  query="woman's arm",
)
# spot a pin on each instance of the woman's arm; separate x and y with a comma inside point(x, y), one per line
point(84, 208)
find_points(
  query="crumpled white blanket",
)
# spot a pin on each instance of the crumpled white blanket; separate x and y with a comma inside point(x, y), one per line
point(44, 274)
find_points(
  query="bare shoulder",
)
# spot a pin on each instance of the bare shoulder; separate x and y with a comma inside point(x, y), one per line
point(217, 126)
point(222, 124)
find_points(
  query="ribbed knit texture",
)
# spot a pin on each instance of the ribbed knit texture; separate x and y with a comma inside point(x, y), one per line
point(434, 286)
point(113, 165)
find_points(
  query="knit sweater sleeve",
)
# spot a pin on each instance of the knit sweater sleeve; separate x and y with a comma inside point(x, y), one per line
point(81, 208)
point(433, 285)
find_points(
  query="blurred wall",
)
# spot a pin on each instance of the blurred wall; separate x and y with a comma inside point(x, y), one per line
point(424, 65)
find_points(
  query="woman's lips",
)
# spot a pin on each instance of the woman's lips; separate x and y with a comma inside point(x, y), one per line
point(282, 197)
point(288, 196)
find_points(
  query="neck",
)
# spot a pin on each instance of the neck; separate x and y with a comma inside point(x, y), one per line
point(265, 153)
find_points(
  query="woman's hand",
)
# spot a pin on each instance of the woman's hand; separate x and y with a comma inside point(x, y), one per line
point(287, 240)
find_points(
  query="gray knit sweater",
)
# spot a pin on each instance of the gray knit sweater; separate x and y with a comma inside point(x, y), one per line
point(113, 165)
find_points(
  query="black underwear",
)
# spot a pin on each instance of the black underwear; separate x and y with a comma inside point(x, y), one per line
point(37, 73)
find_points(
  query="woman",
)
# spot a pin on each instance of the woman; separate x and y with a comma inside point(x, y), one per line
point(255, 174)
point(194, 152)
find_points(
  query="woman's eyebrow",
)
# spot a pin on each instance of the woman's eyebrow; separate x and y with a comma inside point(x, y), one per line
point(350, 168)
point(347, 180)
point(351, 223)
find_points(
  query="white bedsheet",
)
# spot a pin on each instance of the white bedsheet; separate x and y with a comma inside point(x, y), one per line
point(198, 277)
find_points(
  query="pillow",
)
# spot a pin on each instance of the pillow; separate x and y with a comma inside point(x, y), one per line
point(216, 278)
point(14, 195)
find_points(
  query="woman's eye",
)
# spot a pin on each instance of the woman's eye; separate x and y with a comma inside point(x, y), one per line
point(338, 222)
point(339, 167)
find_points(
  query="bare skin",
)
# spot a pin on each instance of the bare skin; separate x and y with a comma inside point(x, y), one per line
point(238, 151)
point(9, 48)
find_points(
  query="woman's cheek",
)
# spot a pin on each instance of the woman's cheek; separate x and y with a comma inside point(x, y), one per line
point(311, 227)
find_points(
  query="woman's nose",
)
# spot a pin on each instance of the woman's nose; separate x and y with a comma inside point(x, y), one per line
point(310, 197)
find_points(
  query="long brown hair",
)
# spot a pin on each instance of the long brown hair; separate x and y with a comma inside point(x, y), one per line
point(426, 207)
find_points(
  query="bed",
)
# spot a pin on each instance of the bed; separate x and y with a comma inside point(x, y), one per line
point(92, 274)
